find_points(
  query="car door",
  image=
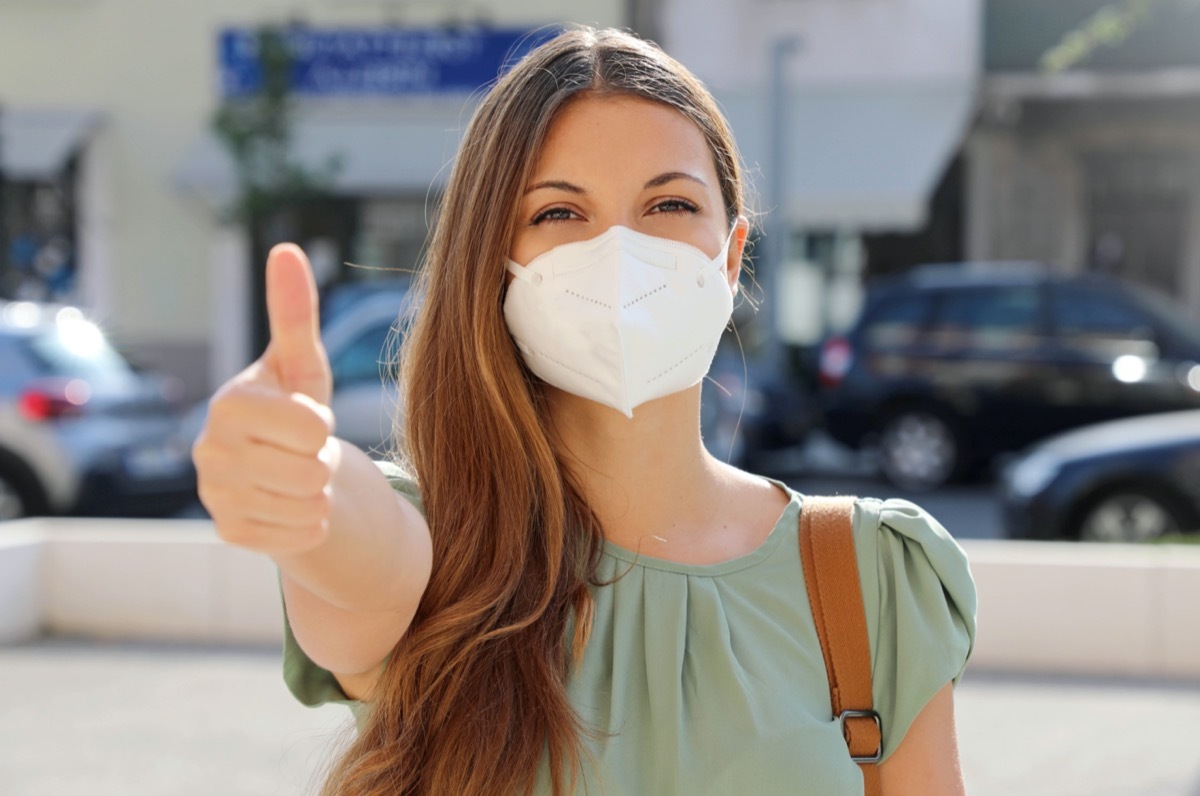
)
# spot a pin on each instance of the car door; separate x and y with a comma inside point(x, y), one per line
point(365, 397)
point(989, 357)
point(1110, 360)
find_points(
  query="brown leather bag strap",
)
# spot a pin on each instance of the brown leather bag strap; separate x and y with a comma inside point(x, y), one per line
point(831, 577)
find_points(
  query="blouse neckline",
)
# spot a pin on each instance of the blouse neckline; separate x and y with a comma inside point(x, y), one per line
point(787, 519)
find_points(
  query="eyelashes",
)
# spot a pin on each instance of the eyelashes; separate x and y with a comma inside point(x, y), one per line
point(560, 214)
point(553, 215)
point(676, 206)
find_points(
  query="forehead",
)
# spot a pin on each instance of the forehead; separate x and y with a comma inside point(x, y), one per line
point(621, 135)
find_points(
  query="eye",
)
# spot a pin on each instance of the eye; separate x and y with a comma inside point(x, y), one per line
point(675, 206)
point(553, 215)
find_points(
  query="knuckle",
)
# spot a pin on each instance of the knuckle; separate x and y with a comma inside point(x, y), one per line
point(216, 499)
point(312, 427)
point(223, 410)
point(322, 504)
point(235, 532)
point(311, 535)
point(314, 477)
point(204, 453)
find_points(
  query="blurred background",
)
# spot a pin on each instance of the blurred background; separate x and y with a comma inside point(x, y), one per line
point(1042, 155)
point(976, 274)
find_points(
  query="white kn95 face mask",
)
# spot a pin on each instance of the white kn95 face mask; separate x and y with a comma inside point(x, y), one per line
point(622, 318)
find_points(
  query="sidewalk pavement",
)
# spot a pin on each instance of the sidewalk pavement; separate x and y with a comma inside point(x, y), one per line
point(100, 719)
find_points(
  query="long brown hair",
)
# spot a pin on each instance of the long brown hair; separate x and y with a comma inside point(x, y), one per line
point(474, 696)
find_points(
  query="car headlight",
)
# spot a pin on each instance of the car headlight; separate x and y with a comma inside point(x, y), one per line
point(1031, 474)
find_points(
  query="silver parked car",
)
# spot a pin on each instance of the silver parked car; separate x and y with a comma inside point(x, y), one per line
point(358, 323)
point(81, 431)
point(362, 345)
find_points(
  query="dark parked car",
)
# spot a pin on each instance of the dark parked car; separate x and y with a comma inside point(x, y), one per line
point(750, 408)
point(1122, 481)
point(81, 431)
point(949, 366)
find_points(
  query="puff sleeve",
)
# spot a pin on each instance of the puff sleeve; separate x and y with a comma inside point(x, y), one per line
point(309, 683)
point(920, 603)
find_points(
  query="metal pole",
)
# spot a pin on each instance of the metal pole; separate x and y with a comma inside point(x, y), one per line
point(4, 264)
point(777, 227)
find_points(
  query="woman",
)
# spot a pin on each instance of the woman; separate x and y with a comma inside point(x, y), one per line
point(560, 590)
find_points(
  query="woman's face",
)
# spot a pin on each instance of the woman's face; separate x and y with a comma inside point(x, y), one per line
point(622, 160)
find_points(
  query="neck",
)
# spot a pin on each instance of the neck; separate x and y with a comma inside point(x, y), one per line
point(648, 478)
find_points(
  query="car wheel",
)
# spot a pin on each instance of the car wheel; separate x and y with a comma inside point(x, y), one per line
point(13, 504)
point(918, 449)
point(1128, 516)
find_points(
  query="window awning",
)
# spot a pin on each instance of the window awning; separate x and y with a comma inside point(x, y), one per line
point(36, 143)
point(374, 150)
point(865, 158)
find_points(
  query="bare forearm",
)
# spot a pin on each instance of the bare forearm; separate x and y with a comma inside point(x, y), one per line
point(376, 558)
point(351, 599)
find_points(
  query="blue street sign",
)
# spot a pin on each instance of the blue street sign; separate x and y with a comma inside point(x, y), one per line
point(379, 61)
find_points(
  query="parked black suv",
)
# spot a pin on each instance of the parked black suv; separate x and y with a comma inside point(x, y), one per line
point(950, 365)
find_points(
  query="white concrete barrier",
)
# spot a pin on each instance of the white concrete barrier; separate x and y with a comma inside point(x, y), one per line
point(1094, 609)
point(169, 580)
point(1044, 607)
point(22, 557)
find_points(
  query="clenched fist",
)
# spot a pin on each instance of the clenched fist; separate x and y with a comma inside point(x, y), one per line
point(265, 457)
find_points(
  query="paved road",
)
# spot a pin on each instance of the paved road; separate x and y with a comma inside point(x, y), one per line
point(969, 511)
point(98, 719)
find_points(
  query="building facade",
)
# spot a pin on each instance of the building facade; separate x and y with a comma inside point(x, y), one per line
point(848, 114)
point(1095, 167)
point(117, 195)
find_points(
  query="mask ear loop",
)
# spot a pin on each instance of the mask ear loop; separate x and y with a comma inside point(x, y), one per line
point(524, 273)
point(723, 259)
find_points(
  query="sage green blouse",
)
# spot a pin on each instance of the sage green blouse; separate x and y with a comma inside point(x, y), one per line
point(709, 679)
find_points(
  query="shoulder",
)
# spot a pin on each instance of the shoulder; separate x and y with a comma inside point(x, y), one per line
point(402, 481)
point(907, 556)
point(896, 526)
point(920, 602)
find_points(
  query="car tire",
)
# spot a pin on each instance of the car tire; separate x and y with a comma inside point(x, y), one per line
point(1128, 515)
point(919, 449)
point(16, 500)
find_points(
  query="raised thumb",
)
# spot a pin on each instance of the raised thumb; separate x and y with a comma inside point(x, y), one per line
point(295, 352)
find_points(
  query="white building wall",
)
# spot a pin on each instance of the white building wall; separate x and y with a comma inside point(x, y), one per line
point(855, 57)
point(842, 42)
point(150, 68)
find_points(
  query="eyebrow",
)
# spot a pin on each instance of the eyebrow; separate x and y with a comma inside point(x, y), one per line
point(671, 176)
point(654, 182)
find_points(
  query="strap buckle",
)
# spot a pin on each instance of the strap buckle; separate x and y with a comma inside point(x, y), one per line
point(863, 714)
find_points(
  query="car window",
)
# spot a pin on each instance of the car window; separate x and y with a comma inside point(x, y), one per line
point(1099, 322)
point(1169, 313)
point(14, 366)
point(896, 321)
point(78, 350)
point(362, 359)
point(993, 318)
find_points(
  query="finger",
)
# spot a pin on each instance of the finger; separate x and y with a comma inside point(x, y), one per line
point(296, 350)
point(293, 422)
point(271, 539)
point(276, 510)
point(257, 466)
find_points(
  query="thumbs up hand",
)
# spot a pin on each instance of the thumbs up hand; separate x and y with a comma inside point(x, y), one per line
point(266, 455)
